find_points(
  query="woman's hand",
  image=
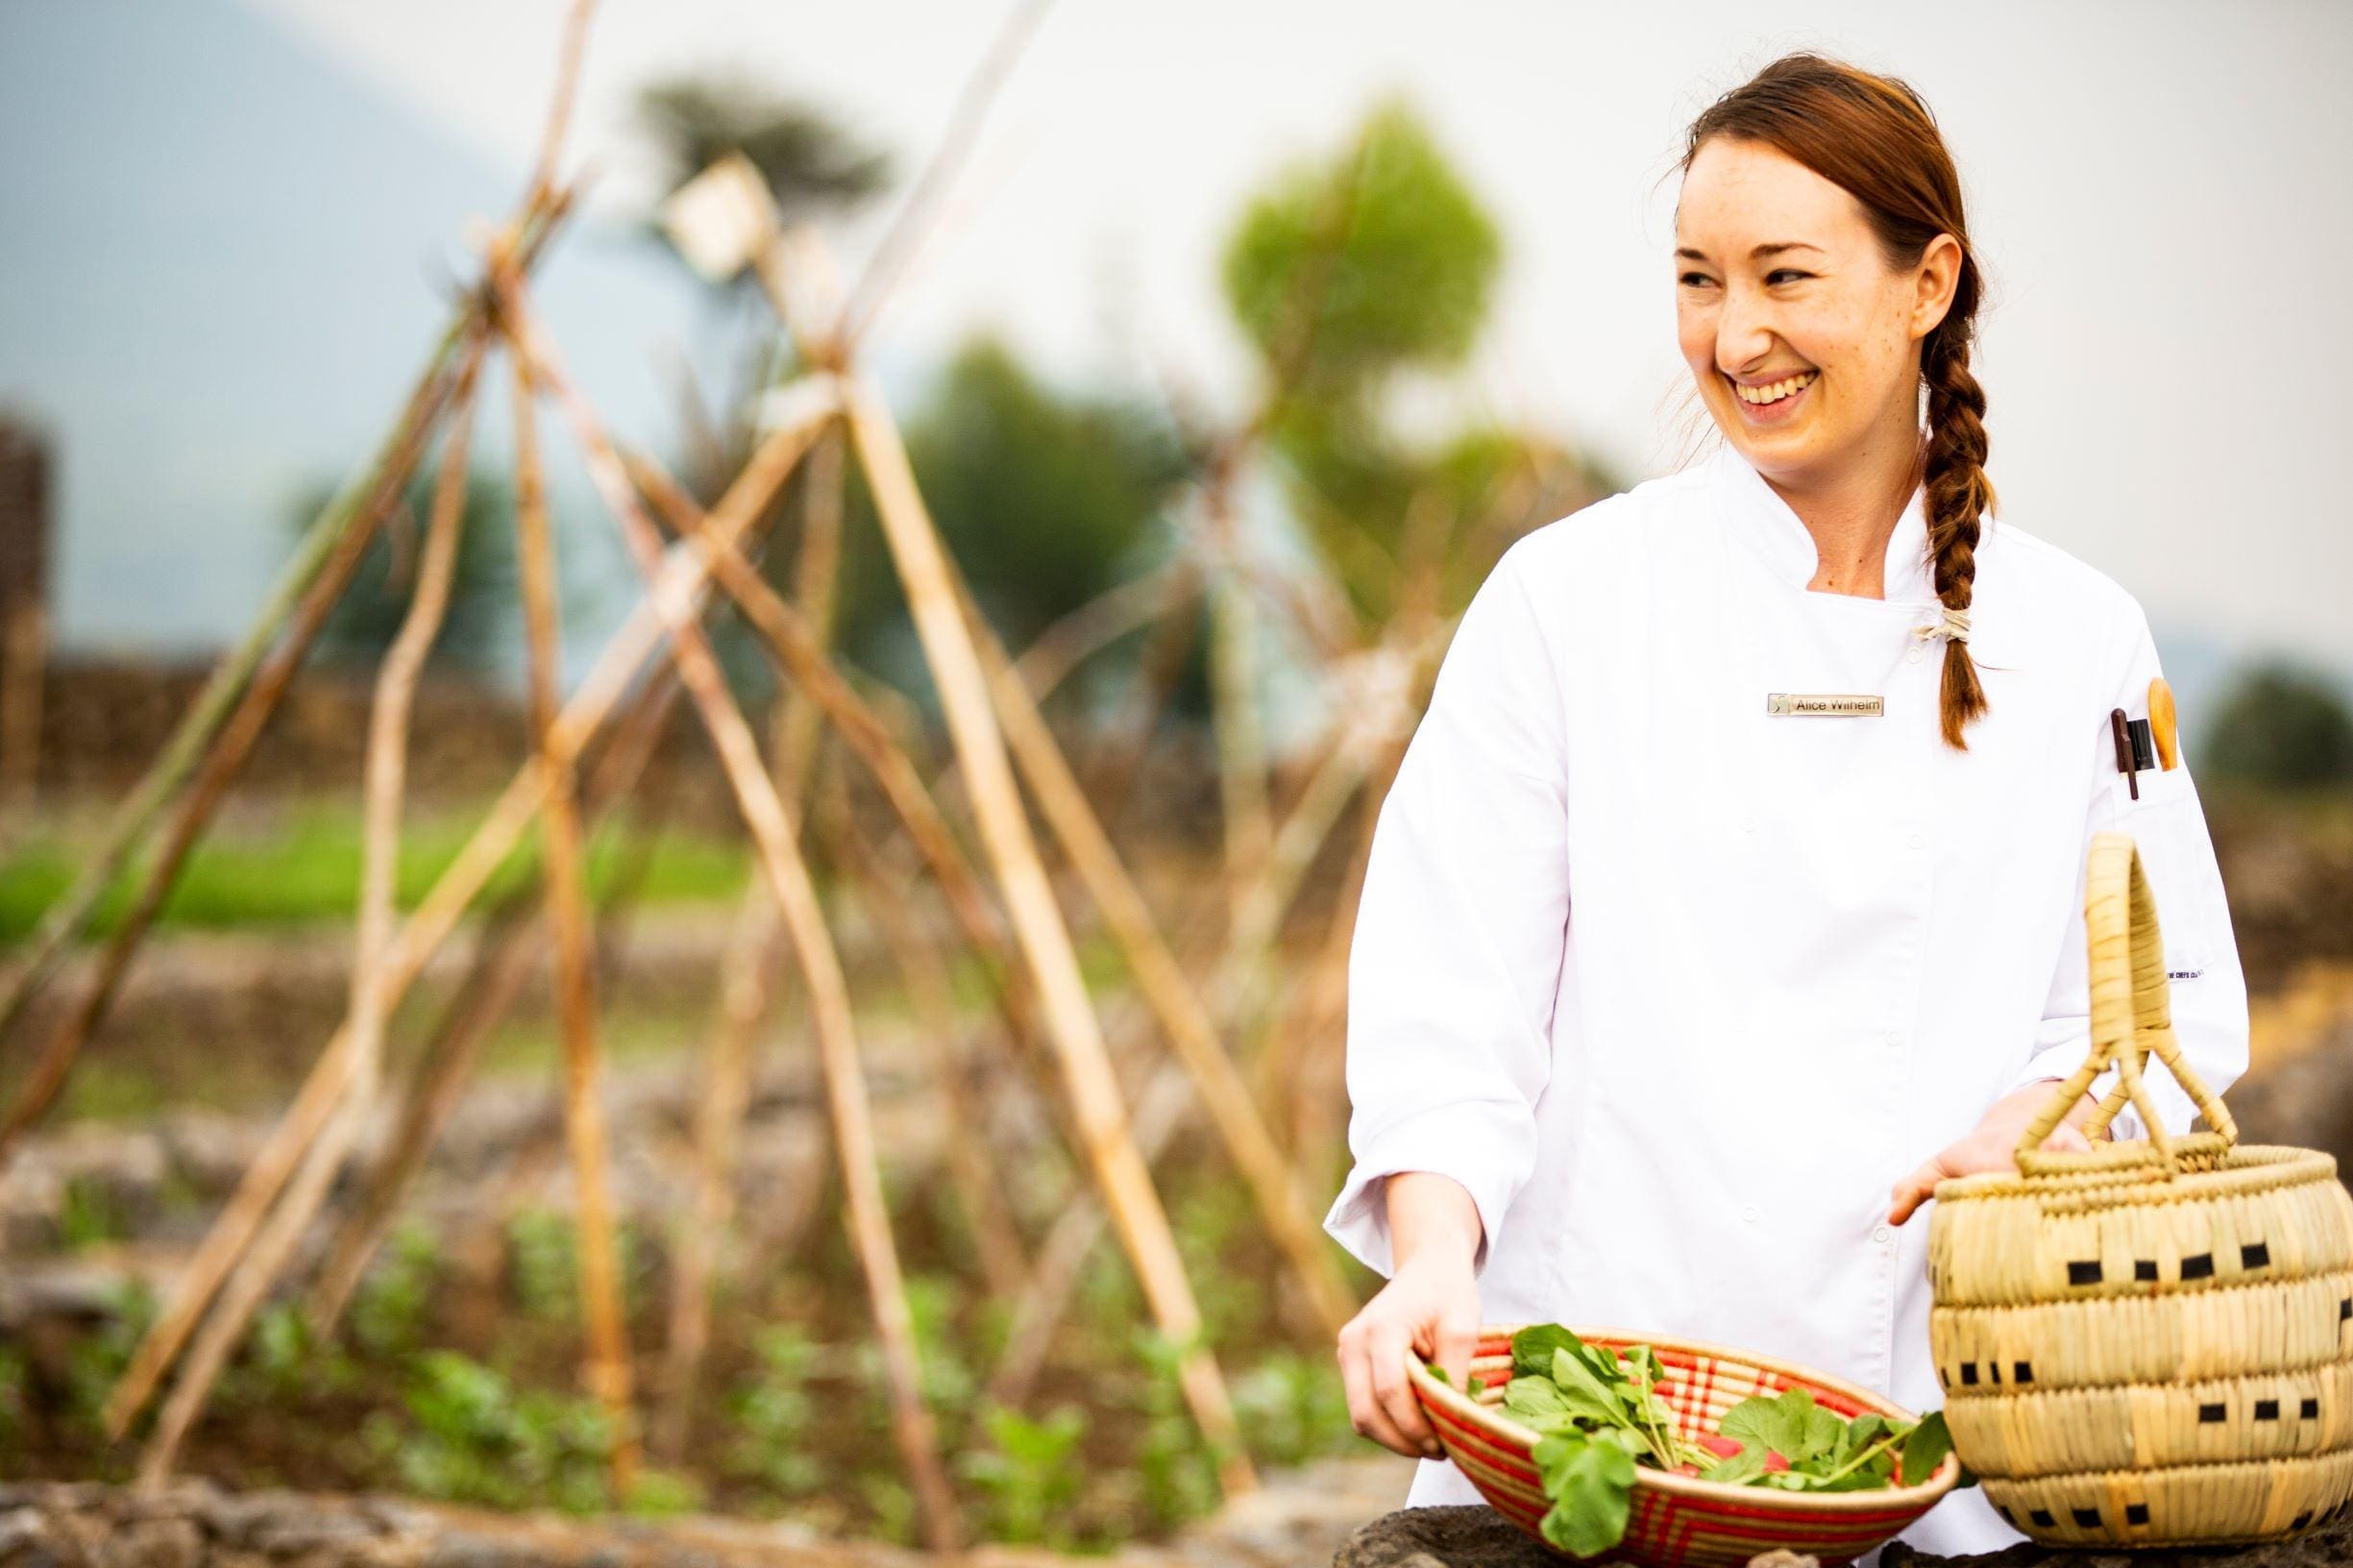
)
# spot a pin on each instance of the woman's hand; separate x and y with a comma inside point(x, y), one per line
point(1993, 1144)
point(1430, 1307)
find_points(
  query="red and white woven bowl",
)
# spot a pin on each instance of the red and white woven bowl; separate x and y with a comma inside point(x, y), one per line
point(1678, 1521)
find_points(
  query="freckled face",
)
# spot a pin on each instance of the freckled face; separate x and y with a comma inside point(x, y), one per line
point(1824, 328)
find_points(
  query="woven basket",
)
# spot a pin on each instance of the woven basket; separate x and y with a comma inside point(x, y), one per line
point(1678, 1521)
point(2150, 1343)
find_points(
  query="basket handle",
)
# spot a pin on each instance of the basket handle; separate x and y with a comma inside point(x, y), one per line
point(2132, 1014)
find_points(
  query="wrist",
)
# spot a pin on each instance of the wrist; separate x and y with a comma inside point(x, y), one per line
point(1434, 1223)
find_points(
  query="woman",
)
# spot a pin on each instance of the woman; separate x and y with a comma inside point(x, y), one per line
point(1673, 994)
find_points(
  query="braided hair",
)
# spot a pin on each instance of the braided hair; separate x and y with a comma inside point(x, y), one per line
point(1874, 136)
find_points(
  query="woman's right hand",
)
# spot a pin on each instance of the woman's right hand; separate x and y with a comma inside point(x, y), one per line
point(1430, 1307)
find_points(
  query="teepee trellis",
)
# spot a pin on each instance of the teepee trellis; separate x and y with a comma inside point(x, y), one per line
point(587, 746)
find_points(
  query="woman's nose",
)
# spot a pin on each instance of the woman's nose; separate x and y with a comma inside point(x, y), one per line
point(1744, 330)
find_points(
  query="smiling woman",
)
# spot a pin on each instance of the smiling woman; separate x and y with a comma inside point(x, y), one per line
point(1824, 281)
point(1710, 925)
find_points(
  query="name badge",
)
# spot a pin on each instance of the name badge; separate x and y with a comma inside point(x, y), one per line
point(1821, 705)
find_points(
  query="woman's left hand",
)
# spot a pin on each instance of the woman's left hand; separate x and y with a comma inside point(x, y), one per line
point(1992, 1145)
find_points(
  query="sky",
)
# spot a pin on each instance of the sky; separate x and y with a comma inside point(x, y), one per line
point(2158, 191)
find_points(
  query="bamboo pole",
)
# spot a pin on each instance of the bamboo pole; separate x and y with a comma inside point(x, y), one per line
point(869, 737)
point(753, 952)
point(1038, 1311)
point(1318, 1127)
point(677, 593)
point(1233, 715)
point(1103, 619)
point(385, 781)
point(718, 1116)
point(230, 692)
point(1183, 1016)
point(216, 770)
point(608, 1373)
point(504, 961)
point(1110, 773)
point(996, 1239)
point(1038, 921)
point(774, 834)
point(1376, 718)
point(888, 263)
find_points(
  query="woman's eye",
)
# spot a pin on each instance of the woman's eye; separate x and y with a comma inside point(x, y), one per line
point(1785, 272)
point(1693, 279)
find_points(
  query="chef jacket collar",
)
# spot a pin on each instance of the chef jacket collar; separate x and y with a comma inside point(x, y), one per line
point(1757, 513)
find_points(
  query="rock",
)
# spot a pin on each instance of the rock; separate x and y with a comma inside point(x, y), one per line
point(1479, 1537)
point(2330, 1546)
point(20, 1532)
point(154, 1543)
point(1471, 1536)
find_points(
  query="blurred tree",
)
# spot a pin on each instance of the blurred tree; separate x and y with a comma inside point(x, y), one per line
point(809, 161)
point(482, 623)
point(1348, 276)
point(2284, 727)
point(811, 164)
point(1343, 272)
point(1047, 500)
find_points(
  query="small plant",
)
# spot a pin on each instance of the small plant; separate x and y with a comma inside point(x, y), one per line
point(891, 1502)
point(388, 1310)
point(772, 1411)
point(475, 1438)
point(89, 1215)
point(1294, 1406)
point(284, 1363)
point(1178, 1480)
point(544, 1248)
point(662, 1494)
point(1029, 1474)
point(542, 1262)
point(12, 1397)
point(96, 1360)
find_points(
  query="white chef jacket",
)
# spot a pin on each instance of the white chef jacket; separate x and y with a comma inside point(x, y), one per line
point(1677, 989)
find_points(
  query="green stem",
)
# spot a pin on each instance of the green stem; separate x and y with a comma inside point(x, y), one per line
point(1850, 1466)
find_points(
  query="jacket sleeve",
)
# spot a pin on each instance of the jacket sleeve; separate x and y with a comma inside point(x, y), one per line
point(2207, 987)
point(1456, 958)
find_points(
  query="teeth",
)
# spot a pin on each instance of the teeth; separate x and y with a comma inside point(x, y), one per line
point(1776, 391)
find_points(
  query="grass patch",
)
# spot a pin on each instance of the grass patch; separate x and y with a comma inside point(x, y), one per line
point(305, 869)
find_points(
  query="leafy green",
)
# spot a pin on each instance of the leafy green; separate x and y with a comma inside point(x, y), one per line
point(1590, 1481)
point(1925, 1449)
point(1599, 1414)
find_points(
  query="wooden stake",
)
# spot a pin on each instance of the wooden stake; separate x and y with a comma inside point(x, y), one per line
point(1161, 979)
point(677, 593)
point(228, 694)
point(774, 834)
point(753, 952)
point(995, 1237)
point(386, 778)
point(1038, 922)
point(608, 1373)
point(504, 961)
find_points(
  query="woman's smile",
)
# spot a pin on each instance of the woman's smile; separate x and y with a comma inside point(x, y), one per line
point(1775, 402)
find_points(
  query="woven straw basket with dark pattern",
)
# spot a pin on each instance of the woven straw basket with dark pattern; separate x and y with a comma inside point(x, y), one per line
point(2150, 1343)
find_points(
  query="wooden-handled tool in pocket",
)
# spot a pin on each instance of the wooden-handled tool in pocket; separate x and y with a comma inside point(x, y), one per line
point(2162, 723)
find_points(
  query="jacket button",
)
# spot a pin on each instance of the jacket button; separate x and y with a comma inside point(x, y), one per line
point(1880, 1233)
point(1917, 839)
point(1748, 1214)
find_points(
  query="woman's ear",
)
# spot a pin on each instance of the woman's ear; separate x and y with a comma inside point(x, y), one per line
point(1934, 281)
